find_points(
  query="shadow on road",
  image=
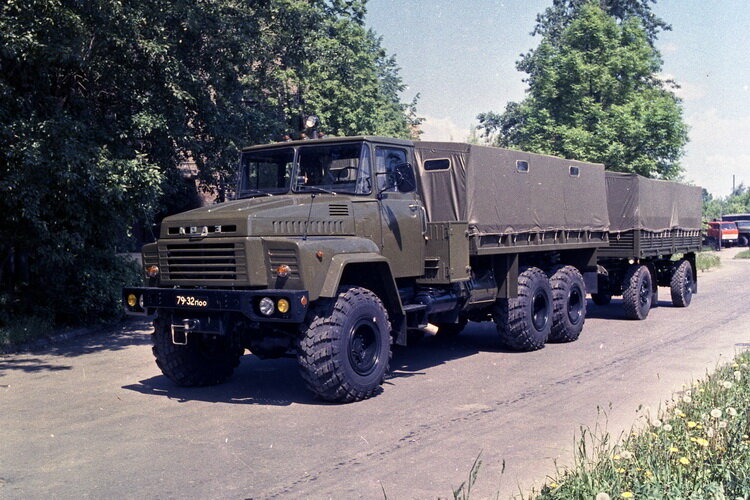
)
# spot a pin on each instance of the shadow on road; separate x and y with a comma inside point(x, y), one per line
point(29, 365)
point(614, 309)
point(110, 338)
point(277, 382)
point(273, 382)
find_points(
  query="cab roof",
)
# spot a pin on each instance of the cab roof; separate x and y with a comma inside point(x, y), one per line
point(330, 140)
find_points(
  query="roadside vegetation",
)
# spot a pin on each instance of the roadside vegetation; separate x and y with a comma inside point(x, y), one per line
point(706, 260)
point(697, 447)
point(745, 254)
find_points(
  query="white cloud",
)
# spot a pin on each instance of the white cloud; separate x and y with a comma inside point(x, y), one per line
point(687, 91)
point(669, 48)
point(442, 129)
point(717, 150)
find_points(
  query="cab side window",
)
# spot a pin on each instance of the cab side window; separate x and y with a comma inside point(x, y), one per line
point(386, 160)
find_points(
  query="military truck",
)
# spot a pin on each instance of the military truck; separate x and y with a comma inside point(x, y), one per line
point(650, 222)
point(334, 249)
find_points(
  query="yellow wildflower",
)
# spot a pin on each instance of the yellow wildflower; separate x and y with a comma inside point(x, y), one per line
point(691, 424)
point(621, 470)
point(702, 442)
point(553, 485)
point(648, 473)
point(684, 461)
point(627, 494)
point(674, 449)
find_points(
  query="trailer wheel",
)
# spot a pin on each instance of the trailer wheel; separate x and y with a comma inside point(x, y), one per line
point(568, 304)
point(601, 299)
point(204, 360)
point(682, 284)
point(524, 323)
point(638, 294)
point(345, 351)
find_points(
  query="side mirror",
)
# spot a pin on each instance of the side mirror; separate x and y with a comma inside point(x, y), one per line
point(403, 174)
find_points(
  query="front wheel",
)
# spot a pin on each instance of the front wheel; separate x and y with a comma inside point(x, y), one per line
point(638, 294)
point(204, 360)
point(524, 323)
point(743, 241)
point(682, 284)
point(345, 350)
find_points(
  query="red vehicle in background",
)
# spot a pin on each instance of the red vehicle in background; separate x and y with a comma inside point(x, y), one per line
point(722, 234)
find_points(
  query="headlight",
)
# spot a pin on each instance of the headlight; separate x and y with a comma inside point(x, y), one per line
point(266, 306)
point(283, 306)
point(132, 300)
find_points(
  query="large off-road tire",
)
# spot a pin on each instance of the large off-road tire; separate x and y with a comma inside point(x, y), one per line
point(568, 304)
point(345, 350)
point(446, 330)
point(638, 294)
point(681, 284)
point(524, 323)
point(743, 241)
point(601, 299)
point(204, 360)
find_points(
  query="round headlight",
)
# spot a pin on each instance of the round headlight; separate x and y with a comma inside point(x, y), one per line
point(132, 300)
point(266, 306)
point(140, 302)
point(283, 306)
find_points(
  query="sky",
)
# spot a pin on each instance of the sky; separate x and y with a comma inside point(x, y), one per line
point(460, 56)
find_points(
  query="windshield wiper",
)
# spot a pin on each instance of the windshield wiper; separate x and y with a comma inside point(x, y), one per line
point(317, 189)
point(254, 191)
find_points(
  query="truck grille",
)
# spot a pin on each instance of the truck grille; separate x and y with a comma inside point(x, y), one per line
point(203, 261)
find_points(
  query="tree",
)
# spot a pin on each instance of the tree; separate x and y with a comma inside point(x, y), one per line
point(101, 100)
point(594, 95)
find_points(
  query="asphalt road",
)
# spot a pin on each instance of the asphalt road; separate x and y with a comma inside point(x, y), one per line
point(94, 418)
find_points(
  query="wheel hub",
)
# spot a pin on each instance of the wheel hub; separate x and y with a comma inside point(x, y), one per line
point(364, 347)
point(539, 311)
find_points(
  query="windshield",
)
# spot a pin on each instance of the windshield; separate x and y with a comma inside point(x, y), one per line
point(339, 168)
point(265, 172)
point(728, 225)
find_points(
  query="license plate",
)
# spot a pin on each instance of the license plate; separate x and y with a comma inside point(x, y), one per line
point(191, 301)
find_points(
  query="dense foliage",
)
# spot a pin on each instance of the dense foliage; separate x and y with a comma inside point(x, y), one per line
point(594, 92)
point(737, 202)
point(100, 100)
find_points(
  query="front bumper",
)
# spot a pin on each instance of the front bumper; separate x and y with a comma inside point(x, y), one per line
point(201, 301)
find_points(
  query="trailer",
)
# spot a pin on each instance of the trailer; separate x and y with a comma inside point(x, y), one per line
point(652, 222)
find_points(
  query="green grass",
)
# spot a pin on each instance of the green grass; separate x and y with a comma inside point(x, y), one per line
point(698, 447)
point(745, 254)
point(707, 260)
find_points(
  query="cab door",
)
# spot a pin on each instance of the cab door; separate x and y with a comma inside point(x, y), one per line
point(402, 215)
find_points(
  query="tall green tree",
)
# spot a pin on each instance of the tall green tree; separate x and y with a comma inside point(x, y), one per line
point(594, 95)
point(100, 100)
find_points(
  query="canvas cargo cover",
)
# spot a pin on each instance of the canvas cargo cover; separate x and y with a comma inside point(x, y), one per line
point(483, 186)
point(636, 202)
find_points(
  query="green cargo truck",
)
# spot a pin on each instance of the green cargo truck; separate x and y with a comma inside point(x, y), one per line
point(334, 249)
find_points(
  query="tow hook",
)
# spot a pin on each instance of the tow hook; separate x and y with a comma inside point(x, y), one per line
point(181, 329)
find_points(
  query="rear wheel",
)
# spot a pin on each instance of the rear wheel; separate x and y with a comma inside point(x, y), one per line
point(524, 323)
point(638, 294)
point(345, 351)
point(682, 284)
point(204, 360)
point(568, 304)
point(743, 241)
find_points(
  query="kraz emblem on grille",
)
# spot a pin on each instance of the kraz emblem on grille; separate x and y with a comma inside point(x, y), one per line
point(201, 231)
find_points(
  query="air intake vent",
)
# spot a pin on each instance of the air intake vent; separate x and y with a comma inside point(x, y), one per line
point(338, 210)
